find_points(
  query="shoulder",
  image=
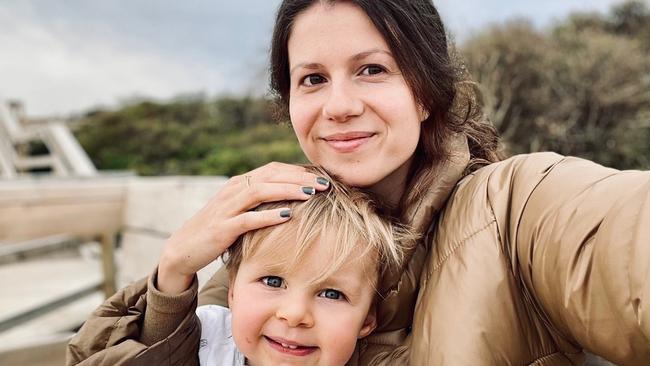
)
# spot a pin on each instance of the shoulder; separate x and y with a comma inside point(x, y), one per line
point(505, 193)
point(496, 195)
point(511, 182)
point(525, 167)
point(476, 194)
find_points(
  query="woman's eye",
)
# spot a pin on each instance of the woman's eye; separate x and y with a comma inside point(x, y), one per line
point(372, 70)
point(332, 294)
point(313, 79)
point(273, 281)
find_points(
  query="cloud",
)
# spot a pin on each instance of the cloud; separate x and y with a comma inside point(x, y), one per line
point(466, 17)
point(57, 71)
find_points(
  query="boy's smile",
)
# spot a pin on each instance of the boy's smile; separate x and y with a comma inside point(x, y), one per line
point(290, 347)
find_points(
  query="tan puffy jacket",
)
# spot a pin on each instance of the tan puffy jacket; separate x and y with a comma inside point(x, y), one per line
point(531, 261)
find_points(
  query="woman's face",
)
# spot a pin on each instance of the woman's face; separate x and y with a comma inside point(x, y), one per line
point(350, 106)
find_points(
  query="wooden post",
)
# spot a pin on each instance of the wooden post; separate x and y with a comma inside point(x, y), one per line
point(108, 263)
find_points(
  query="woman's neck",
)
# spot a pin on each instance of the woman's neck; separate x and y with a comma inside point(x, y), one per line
point(391, 189)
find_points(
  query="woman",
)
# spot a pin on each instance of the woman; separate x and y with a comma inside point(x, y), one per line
point(528, 261)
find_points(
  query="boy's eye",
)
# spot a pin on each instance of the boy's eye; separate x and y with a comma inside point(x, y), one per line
point(372, 70)
point(332, 294)
point(313, 79)
point(273, 281)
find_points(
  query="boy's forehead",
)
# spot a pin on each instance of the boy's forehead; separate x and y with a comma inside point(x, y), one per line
point(278, 238)
point(280, 250)
point(283, 243)
point(283, 240)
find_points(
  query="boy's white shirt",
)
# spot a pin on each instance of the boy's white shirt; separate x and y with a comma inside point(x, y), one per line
point(217, 346)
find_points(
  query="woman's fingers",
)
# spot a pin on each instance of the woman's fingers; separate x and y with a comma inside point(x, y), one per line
point(285, 173)
point(253, 220)
point(258, 193)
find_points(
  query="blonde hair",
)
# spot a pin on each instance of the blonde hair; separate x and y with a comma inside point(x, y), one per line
point(346, 216)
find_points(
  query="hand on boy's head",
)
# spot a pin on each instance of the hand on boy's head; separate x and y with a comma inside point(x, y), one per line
point(207, 234)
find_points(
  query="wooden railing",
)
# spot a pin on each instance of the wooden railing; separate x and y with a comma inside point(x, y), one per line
point(65, 156)
point(39, 218)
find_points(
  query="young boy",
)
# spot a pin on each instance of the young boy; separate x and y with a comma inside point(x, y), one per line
point(303, 292)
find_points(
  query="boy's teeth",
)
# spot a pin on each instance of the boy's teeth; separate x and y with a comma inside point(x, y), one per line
point(288, 346)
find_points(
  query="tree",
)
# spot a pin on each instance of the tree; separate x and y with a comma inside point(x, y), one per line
point(581, 88)
point(190, 135)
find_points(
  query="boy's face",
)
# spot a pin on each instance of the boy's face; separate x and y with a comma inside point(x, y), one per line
point(287, 319)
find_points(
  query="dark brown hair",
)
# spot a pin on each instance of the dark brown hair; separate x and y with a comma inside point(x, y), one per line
point(417, 39)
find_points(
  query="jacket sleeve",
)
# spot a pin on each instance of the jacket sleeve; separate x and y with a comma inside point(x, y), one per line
point(578, 236)
point(139, 325)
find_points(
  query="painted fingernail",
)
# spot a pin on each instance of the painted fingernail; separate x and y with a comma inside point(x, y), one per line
point(323, 181)
point(309, 190)
point(285, 213)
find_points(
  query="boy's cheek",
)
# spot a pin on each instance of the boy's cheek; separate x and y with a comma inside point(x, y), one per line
point(245, 331)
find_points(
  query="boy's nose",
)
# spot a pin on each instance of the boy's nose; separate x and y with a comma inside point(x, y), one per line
point(295, 312)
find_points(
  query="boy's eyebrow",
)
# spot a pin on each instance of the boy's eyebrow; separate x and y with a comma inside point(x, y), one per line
point(274, 266)
point(359, 56)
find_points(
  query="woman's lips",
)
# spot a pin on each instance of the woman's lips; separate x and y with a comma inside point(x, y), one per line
point(290, 348)
point(348, 142)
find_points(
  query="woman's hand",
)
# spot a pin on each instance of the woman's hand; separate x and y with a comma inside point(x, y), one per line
point(208, 233)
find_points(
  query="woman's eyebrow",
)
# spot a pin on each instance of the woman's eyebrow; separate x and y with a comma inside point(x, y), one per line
point(306, 65)
point(362, 55)
point(359, 56)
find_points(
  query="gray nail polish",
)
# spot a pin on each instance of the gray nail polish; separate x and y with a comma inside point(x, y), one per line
point(323, 181)
point(309, 190)
point(285, 213)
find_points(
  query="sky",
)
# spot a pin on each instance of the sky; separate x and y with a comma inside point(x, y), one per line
point(66, 57)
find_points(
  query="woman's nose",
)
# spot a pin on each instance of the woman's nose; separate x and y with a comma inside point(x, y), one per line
point(296, 312)
point(342, 102)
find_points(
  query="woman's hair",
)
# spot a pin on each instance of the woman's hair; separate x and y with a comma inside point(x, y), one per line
point(416, 36)
point(345, 217)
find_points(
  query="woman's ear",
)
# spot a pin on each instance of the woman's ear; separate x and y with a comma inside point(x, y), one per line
point(370, 323)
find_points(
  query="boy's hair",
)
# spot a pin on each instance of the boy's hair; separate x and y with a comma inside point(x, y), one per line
point(347, 215)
